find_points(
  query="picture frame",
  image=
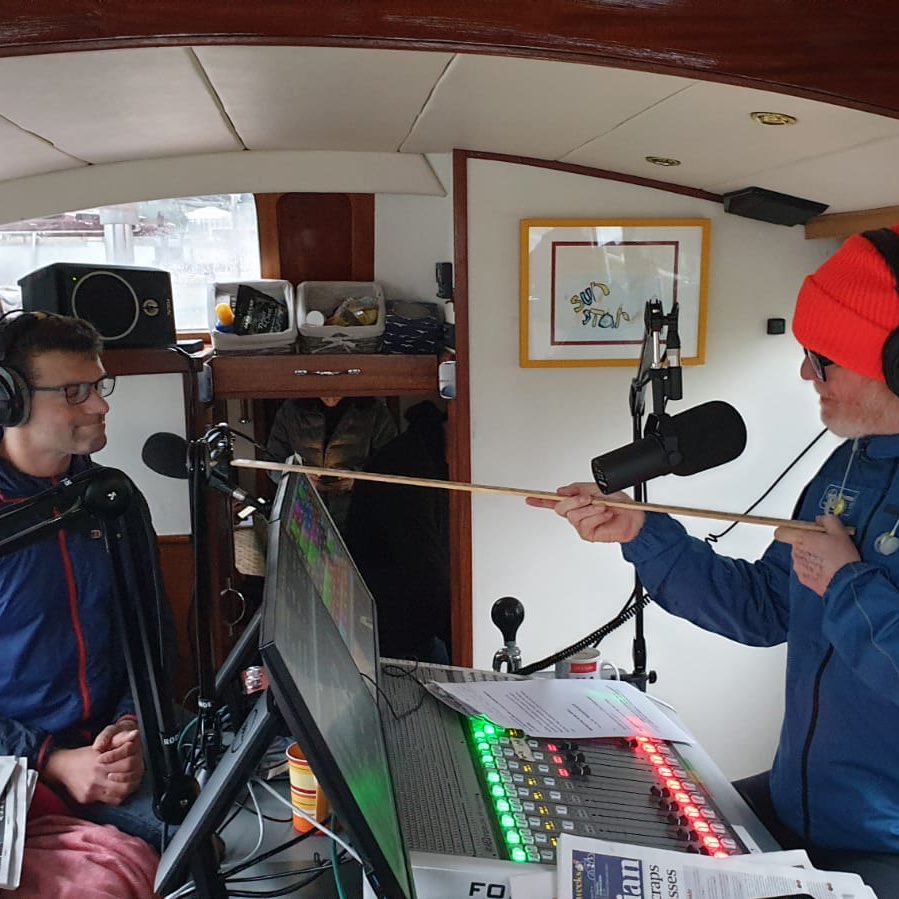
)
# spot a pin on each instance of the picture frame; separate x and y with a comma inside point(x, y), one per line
point(585, 284)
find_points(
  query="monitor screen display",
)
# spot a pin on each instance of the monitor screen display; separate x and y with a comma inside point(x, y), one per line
point(304, 522)
point(317, 641)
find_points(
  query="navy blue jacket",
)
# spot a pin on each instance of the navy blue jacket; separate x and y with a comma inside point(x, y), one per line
point(835, 779)
point(62, 669)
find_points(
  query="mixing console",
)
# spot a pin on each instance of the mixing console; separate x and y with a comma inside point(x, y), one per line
point(632, 790)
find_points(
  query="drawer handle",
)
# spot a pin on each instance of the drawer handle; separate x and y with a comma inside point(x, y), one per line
point(349, 371)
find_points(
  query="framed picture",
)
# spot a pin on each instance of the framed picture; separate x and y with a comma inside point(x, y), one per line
point(585, 284)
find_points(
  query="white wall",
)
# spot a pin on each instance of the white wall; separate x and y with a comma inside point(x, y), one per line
point(539, 428)
point(142, 405)
point(411, 234)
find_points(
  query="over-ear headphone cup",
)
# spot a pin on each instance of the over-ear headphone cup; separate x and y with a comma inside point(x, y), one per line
point(890, 359)
point(15, 398)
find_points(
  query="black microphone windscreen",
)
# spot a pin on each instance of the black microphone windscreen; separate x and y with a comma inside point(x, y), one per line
point(708, 435)
point(702, 437)
point(166, 454)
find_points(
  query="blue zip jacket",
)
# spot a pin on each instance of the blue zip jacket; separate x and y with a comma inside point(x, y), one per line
point(62, 669)
point(835, 778)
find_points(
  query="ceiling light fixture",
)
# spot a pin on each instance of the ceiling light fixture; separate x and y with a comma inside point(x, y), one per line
point(662, 160)
point(773, 118)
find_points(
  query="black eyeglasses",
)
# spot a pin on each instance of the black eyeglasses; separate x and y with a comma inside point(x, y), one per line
point(818, 363)
point(76, 394)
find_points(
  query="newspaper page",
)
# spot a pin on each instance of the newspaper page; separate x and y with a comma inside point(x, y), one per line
point(20, 802)
point(14, 801)
point(7, 827)
point(599, 869)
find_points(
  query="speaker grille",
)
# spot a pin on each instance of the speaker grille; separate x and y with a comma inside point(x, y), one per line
point(107, 300)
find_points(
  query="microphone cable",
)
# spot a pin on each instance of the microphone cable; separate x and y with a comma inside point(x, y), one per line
point(631, 607)
point(714, 538)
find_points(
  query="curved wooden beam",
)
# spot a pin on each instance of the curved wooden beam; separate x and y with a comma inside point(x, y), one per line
point(827, 50)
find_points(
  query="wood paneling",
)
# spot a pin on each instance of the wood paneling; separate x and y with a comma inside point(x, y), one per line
point(176, 555)
point(832, 51)
point(317, 237)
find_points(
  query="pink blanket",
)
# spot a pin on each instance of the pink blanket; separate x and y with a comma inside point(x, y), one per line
point(68, 858)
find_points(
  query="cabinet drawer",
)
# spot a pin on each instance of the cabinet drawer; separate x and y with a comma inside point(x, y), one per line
point(271, 377)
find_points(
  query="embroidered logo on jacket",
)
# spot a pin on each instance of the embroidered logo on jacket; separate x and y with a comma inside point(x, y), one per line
point(836, 501)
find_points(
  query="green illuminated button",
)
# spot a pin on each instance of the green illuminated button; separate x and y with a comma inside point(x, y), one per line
point(502, 805)
point(497, 791)
point(513, 837)
point(506, 821)
point(493, 777)
point(519, 855)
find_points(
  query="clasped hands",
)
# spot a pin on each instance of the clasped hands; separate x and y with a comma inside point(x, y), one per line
point(107, 771)
point(816, 555)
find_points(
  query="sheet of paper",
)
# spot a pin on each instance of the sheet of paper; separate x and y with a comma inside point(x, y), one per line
point(591, 869)
point(564, 708)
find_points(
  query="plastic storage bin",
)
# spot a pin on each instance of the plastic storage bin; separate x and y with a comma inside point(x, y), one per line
point(270, 342)
point(325, 297)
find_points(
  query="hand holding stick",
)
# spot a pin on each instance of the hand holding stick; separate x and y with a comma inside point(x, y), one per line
point(517, 491)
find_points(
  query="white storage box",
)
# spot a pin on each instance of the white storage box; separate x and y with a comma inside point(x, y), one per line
point(326, 297)
point(272, 342)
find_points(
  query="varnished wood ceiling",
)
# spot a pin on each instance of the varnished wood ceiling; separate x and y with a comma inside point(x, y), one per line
point(94, 82)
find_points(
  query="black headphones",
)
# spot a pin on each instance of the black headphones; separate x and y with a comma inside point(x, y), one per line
point(886, 242)
point(15, 396)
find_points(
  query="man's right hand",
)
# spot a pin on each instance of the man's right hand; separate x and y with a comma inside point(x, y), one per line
point(85, 777)
point(594, 521)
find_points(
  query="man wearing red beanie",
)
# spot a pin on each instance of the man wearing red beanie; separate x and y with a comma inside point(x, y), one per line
point(832, 596)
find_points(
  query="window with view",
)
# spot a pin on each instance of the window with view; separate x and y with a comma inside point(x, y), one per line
point(198, 240)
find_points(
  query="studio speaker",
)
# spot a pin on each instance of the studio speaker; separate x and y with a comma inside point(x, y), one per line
point(129, 306)
point(770, 206)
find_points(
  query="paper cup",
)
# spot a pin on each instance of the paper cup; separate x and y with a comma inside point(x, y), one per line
point(305, 793)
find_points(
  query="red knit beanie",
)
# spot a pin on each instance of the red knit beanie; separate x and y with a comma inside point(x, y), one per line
point(848, 307)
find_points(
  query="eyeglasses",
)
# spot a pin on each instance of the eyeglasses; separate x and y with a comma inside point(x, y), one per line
point(76, 394)
point(818, 363)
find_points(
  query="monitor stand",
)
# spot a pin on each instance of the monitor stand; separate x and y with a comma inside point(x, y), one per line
point(219, 793)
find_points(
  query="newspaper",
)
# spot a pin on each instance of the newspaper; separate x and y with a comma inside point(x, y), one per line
point(599, 869)
point(16, 789)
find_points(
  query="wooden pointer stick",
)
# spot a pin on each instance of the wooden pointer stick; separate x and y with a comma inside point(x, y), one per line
point(516, 491)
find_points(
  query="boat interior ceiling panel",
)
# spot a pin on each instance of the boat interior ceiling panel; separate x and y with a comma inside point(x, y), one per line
point(130, 104)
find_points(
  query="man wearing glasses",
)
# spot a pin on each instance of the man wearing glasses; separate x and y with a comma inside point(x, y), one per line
point(832, 596)
point(65, 703)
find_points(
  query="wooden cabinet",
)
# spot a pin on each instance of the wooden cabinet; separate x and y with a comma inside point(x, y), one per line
point(279, 376)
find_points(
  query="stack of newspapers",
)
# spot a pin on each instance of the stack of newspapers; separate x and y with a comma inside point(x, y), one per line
point(589, 867)
point(16, 789)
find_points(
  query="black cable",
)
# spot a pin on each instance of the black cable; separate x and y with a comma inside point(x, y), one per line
point(630, 609)
point(714, 538)
point(287, 844)
point(402, 672)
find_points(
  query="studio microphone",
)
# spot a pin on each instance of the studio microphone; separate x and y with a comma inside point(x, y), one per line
point(166, 454)
point(695, 440)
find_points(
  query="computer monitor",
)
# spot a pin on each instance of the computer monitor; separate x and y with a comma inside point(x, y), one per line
point(303, 521)
point(318, 639)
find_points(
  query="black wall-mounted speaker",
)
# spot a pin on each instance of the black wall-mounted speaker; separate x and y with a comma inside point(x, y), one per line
point(770, 206)
point(129, 306)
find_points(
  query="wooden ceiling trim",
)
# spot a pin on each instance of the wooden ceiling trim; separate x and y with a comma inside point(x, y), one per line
point(846, 54)
point(590, 172)
point(843, 224)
